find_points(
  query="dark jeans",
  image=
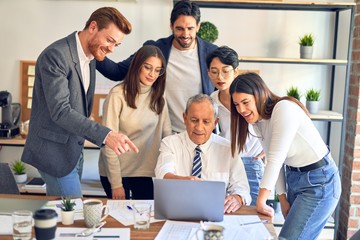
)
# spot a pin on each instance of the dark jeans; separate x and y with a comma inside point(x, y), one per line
point(140, 187)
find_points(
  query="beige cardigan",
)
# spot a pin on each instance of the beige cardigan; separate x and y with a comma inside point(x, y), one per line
point(143, 126)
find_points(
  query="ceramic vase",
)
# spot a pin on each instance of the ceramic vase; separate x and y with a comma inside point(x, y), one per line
point(67, 217)
point(306, 52)
point(312, 106)
point(20, 178)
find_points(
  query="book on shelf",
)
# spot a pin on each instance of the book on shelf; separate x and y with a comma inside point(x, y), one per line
point(36, 182)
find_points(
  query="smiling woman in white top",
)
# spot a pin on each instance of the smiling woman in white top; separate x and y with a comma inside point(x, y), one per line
point(288, 137)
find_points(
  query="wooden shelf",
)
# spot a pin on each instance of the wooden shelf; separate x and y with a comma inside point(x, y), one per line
point(326, 115)
point(294, 61)
point(276, 5)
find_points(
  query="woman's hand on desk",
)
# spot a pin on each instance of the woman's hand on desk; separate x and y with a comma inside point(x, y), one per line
point(232, 203)
point(118, 193)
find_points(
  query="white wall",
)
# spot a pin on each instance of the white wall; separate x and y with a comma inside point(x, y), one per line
point(28, 26)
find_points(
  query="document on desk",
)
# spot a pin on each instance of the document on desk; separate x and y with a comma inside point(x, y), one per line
point(65, 233)
point(121, 210)
point(56, 205)
point(6, 225)
point(243, 227)
point(178, 230)
point(236, 227)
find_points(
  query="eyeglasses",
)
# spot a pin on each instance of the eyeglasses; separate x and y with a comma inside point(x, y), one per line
point(225, 73)
point(157, 71)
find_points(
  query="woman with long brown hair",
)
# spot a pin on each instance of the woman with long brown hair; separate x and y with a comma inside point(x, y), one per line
point(136, 107)
point(308, 185)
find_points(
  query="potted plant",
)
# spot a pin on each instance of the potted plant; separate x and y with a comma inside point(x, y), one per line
point(67, 210)
point(306, 43)
point(293, 92)
point(18, 167)
point(313, 100)
point(208, 32)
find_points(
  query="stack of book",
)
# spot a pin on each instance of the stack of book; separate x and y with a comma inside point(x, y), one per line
point(36, 183)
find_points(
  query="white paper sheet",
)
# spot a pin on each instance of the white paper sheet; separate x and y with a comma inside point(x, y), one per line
point(120, 211)
point(177, 230)
point(64, 233)
point(233, 230)
point(6, 225)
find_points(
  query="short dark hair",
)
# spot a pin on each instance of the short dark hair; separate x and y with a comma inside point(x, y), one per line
point(106, 15)
point(187, 8)
point(226, 55)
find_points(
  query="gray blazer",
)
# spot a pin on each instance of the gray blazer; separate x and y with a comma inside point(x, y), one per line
point(60, 109)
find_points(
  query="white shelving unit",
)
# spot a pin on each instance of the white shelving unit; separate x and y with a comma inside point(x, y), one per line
point(333, 63)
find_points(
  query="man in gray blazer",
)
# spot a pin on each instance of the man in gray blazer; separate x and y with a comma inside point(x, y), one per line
point(62, 102)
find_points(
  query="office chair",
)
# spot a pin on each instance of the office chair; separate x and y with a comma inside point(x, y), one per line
point(7, 181)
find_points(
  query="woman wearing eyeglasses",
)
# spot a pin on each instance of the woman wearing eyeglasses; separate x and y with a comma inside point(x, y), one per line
point(137, 108)
point(222, 66)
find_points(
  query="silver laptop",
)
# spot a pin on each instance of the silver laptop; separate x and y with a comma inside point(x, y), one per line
point(9, 205)
point(189, 200)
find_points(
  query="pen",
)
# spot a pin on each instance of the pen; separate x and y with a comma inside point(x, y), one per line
point(249, 223)
point(129, 207)
point(115, 236)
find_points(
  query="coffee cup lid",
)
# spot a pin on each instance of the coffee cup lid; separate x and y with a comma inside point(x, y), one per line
point(43, 214)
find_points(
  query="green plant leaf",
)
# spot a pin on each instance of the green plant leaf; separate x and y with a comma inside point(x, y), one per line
point(306, 40)
point(208, 31)
point(18, 167)
point(293, 92)
point(313, 95)
point(67, 204)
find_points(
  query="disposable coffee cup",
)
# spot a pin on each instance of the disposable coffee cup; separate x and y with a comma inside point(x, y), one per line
point(45, 224)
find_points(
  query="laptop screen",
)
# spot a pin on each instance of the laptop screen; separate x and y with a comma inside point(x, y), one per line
point(189, 200)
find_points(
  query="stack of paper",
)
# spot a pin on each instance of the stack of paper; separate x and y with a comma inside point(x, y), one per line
point(236, 227)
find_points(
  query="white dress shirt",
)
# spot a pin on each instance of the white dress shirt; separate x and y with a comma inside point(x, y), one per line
point(84, 64)
point(177, 153)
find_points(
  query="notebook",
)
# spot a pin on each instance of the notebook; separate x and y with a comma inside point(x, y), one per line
point(35, 183)
point(9, 205)
point(189, 200)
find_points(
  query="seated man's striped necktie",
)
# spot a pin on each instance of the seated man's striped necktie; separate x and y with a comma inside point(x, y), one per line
point(196, 170)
